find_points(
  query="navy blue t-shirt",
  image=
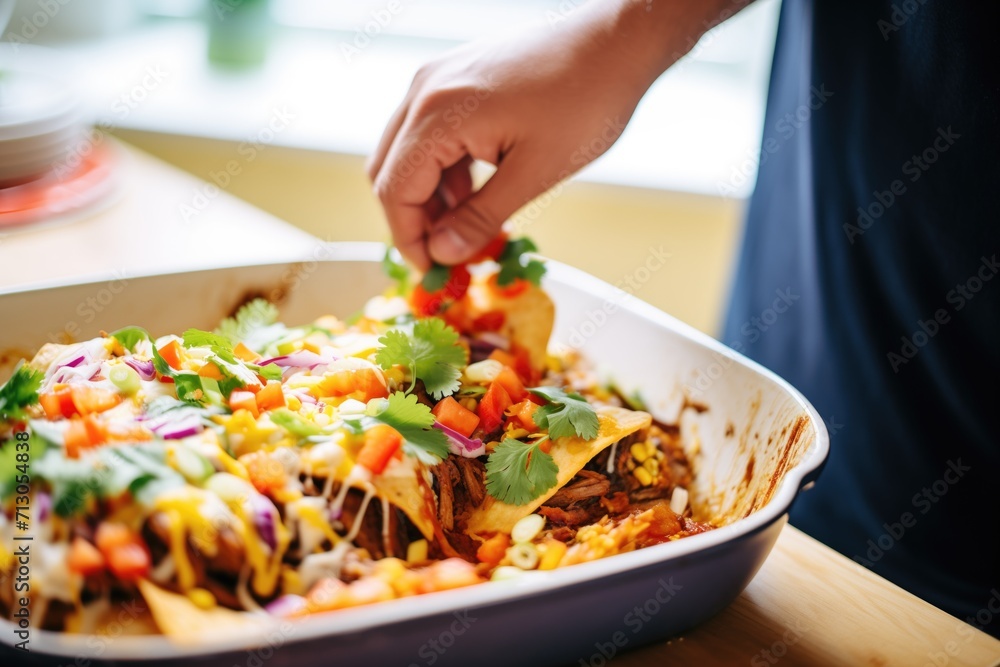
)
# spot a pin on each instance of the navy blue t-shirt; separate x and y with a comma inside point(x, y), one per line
point(874, 227)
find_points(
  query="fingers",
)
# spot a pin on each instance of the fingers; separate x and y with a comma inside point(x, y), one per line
point(461, 233)
point(391, 129)
point(456, 183)
point(409, 184)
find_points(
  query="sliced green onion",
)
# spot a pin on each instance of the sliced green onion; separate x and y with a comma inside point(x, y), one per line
point(524, 556)
point(125, 378)
point(527, 528)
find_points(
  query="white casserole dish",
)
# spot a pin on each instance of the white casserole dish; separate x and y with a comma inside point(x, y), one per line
point(755, 443)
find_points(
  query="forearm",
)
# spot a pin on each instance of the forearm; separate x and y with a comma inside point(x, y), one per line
point(648, 36)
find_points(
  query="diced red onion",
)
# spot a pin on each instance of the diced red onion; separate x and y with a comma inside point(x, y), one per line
point(174, 429)
point(479, 350)
point(44, 503)
point(84, 372)
point(459, 444)
point(494, 339)
point(299, 359)
point(286, 605)
point(303, 395)
point(176, 433)
point(144, 368)
point(263, 519)
point(74, 362)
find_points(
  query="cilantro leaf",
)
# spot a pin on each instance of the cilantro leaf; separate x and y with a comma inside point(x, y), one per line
point(517, 472)
point(515, 266)
point(199, 338)
point(394, 267)
point(566, 414)
point(128, 337)
point(110, 471)
point(251, 317)
point(19, 392)
point(414, 422)
point(431, 352)
point(436, 278)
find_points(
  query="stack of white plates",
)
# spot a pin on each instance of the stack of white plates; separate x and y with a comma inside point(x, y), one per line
point(41, 119)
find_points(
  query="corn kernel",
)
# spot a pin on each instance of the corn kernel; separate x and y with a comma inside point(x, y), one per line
point(516, 433)
point(416, 552)
point(201, 598)
point(643, 476)
point(652, 465)
point(638, 452)
point(294, 404)
point(469, 404)
point(552, 552)
point(651, 448)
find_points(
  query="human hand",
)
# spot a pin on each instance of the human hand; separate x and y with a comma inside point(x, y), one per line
point(539, 107)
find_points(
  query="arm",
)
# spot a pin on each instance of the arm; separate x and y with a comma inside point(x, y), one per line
point(527, 105)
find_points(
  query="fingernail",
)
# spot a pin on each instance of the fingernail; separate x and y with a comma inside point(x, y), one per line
point(447, 246)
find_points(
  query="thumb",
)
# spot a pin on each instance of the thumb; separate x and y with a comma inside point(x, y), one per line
point(465, 230)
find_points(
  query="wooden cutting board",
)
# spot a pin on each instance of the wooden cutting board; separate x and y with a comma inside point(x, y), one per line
point(810, 606)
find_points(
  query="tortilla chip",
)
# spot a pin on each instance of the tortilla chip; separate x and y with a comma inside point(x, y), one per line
point(184, 622)
point(528, 317)
point(571, 455)
point(406, 493)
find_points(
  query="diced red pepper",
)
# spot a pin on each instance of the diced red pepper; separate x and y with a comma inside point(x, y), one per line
point(455, 416)
point(492, 406)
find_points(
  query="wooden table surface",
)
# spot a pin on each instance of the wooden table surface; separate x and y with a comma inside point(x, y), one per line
point(807, 606)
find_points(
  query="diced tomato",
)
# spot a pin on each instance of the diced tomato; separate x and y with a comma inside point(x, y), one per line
point(84, 558)
point(243, 352)
point(493, 550)
point(493, 250)
point(88, 399)
point(363, 384)
point(83, 433)
point(492, 406)
point(211, 371)
point(129, 562)
point(58, 403)
point(171, 353)
point(266, 472)
point(244, 400)
point(95, 430)
point(115, 431)
point(426, 304)
point(270, 396)
point(522, 365)
point(491, 320)
point(512, 384)
point(110, 535)
point(381, 442)
point(511, 290)
point(458, 282)
point(504, 357)
point(452, 414)
point(124, 551)
point(523, 412)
